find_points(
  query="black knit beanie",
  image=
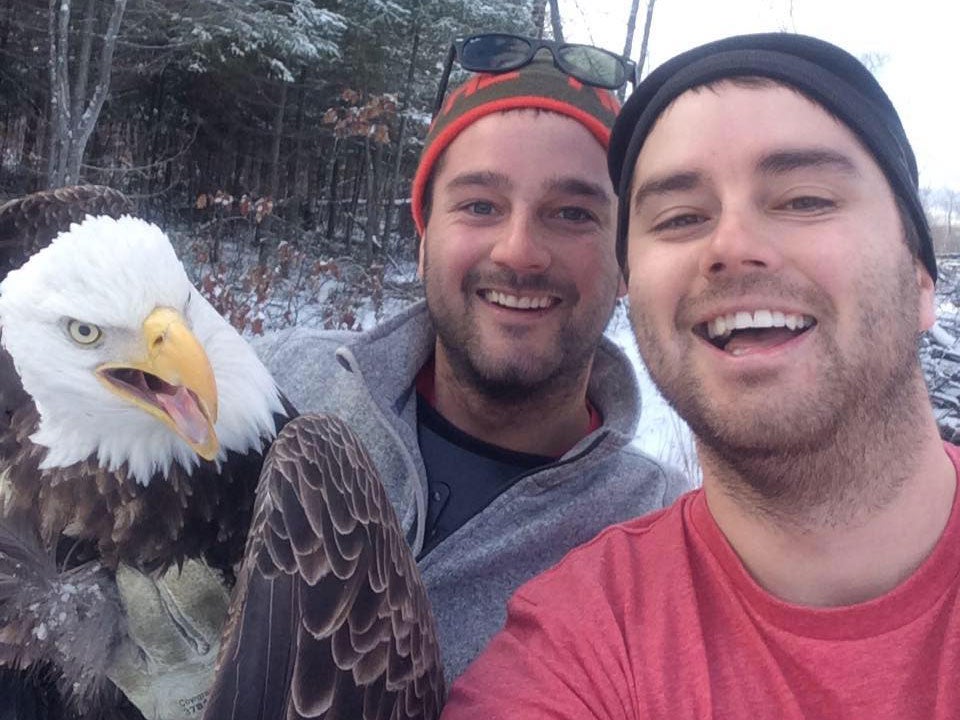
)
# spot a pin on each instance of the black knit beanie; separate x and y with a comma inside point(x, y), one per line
point(539, 85)
point(829, 76)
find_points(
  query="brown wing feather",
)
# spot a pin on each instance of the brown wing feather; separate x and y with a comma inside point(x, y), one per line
point(329, 618)
point(29, 223)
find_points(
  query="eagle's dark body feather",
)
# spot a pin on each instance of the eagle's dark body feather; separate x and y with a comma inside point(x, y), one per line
point(201, 513)
point(330, 618)
point(29, 223)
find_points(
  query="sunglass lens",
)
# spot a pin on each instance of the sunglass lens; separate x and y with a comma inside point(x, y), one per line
point(593, 66)
point(493, 52)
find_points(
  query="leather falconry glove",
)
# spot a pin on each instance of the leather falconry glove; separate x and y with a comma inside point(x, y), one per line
point(174, 622)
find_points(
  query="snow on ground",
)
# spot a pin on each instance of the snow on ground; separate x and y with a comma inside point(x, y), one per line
point(293, 301)
point(661, 433)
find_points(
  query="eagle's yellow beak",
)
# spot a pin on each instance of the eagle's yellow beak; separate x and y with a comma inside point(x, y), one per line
point(173, 381)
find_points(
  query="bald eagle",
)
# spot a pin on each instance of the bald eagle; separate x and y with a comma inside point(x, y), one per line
point(148, 414)
point(135, 421)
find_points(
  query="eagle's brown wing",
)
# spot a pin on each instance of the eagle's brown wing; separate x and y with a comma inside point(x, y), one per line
point(330, 618)
point(29, 223)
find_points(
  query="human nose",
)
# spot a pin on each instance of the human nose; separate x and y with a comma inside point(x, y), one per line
point(739, 243)
point(521, 247)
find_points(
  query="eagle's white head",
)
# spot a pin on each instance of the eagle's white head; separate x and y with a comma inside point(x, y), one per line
point(124, 358)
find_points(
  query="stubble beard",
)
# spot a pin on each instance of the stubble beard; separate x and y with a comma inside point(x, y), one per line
point(521, 376)
point(827, 454)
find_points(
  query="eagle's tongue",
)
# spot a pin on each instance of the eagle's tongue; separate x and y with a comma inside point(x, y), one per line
point(185, 413)
point(745, 341)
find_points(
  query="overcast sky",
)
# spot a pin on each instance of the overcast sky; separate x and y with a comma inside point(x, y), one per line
point(918, 43)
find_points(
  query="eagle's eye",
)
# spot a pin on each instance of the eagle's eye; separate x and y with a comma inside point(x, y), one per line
point(84, 333)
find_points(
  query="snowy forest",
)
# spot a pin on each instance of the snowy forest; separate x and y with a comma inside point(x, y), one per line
point(275, 140)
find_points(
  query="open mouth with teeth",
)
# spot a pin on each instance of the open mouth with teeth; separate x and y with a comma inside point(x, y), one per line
point(519, 302)
point(742, 332)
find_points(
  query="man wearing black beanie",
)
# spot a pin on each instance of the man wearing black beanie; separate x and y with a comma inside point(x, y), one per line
point(780, 272)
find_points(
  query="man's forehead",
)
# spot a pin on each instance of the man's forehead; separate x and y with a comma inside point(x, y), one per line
point(779, 97)
point(778, 117)
point(467, 161)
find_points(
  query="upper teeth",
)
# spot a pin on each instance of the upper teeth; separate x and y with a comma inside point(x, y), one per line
point(742, 320)
point(513, 301)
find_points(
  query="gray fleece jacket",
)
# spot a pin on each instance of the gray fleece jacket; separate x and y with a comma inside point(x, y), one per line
point(367, 378)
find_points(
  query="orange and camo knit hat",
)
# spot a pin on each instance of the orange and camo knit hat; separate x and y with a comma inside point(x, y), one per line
point(539, 85)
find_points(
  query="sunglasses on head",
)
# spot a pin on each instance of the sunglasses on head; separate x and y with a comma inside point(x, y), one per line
point(502, 52)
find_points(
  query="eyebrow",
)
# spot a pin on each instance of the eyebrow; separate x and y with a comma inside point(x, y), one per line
point(485, 178)
point(785, 161)
point(579, 186)
point(675, 182)
point(568, 185)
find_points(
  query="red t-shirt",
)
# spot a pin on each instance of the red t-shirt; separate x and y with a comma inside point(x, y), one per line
point(657, 618)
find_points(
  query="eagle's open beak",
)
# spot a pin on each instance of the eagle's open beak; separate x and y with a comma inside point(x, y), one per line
point(173, 382)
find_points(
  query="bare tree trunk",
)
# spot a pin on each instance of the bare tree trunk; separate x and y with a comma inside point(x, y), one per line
point(951, 200)
point(156, 132)
point(72, 122)
point(642, 59)
point(58, 25)
point(35, 137)
point(273, 185)
point(332, 192)
point(312, 171)
point(83, 59)
point(628, 42)
point(7, 25)
point(239, 182)
point(373, 153)
point(358, 180)
point(6, 136)
point(631, 28)
point(555, 22)
point(401, 131)
point(256, 176)
point(539, 16)
point(296, 206)
point(83, 125)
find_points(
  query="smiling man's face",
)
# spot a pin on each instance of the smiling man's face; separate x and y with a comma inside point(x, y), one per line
point(518, 255)
point(771, 291)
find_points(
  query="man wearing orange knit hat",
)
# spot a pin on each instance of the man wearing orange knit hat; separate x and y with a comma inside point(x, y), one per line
point(497, 414)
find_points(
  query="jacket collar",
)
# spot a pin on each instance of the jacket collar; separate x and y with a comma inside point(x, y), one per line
point(390, 355)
